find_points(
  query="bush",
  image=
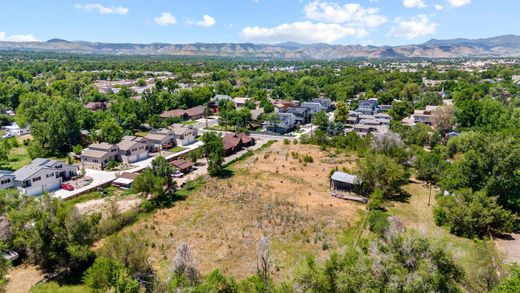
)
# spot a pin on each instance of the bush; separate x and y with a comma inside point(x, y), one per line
point(378, 222)
point(286, 141)
point(308, 159)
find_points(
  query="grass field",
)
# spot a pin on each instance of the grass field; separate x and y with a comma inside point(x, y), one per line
point(272, 193)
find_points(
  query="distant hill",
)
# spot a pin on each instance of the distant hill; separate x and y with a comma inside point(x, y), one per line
point(500, 46)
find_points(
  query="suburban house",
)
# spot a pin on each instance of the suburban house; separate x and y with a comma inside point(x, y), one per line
point(286, 123)
point(313, 107)
point(281, 105)
point(219, 98)
point(303, 115)
point(325, 102)
point(6, 179)
point(232, 143)
point(133, 149)
point(41, 175)
point(97, 155)
point(256, 113)
point(368, 107)
point(240, 101)
point(385, 108)
point(191, 113)
point(15, 130)
point(384, 118)
point(183, 165)
point(235, 142)
point(184, 134)
point(424, 116)
point(158, 139)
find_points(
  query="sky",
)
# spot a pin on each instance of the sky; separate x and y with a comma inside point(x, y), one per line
point(366, 22)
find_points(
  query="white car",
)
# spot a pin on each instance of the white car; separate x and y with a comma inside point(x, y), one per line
point(7, 135)
point(178, 174)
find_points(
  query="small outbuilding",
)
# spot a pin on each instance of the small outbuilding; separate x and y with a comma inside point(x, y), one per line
point(341, 181)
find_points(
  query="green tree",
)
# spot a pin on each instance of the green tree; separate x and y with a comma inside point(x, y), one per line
point(4, 267)
point(148, 183)
point(400, 110)
point(341, 113)
point(471, 214)
point(110, 131)
point(163, 169)
point(214, 152)
point(128, 249)
point(511, 283)
point(321, 120)
point(381, 172)
point(109, 274)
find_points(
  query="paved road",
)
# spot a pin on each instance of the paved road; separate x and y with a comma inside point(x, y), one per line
point(100, 178)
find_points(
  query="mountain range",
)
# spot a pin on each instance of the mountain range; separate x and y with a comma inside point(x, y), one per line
point(500, 46)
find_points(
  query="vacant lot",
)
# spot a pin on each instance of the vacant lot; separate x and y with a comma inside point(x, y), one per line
point(273, 193)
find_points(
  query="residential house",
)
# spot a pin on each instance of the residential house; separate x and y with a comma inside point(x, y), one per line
point(191, 113)
point(285, 123)
point(313, 107)
point(325, 102)
point(6, 179)
point(303, 115)
point(219, 98)
point(256, 113)
point(184, 134)
point(385, 108)
point(158, 139)
point(133, 149)
point(97, 155)
point(384, 118)
point(424, 116)
point(247, 140)
point(232, 143)
point(42, 175)
point(240, 101)
point(281, 105)
point(15, 130)
point(368, 107)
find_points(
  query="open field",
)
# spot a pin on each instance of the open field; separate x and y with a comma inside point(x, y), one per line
point(272, 193)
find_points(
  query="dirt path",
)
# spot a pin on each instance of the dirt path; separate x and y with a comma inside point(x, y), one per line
point(22, 278)
point(510, 248)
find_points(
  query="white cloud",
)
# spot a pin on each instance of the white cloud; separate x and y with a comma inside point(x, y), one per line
point(102, 9)
point(302, 32)
point(458, 3)
point(414, 3)
point(439, 7)
point(413, 27)
point(350, 13)
point(206, 21)
point(165, 18)
point(17, 38)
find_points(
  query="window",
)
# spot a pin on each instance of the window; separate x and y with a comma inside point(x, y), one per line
point(5, 181)
point(37, 179)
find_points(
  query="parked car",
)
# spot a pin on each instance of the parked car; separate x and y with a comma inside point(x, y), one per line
point(7, 135)
point(178, 174)
point(66, 186)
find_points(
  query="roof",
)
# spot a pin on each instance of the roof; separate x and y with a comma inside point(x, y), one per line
point(180, 129)
point(173, 113)
point(182, 164)
point(343, 177)
point(222, 97)
point(35, 166)
point(93, 153)
point(255, 114)
point(127, 144)
point(195, 111)
point(297, 110)
point(156, 136)
point(128, 175)
point(245, 138)
point(101, 146)
point(230, 141)
point(240, 100)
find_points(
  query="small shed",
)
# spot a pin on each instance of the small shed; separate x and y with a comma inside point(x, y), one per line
point(342, 181)
point(125, 180)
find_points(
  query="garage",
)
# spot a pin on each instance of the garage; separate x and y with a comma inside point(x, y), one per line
point(143, 156)
point(132, 159)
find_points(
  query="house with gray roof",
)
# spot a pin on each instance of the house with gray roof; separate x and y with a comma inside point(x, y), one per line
point(97, 155)
point(184, 134)
point(41, 175)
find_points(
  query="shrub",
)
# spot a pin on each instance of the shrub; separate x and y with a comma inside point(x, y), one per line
point(286, 141)
point(308, 159)
point(378, 222)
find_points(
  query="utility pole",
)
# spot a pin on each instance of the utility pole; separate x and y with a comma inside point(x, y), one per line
point(430, 196)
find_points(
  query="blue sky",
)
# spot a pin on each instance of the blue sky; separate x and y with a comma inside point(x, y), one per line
point(375, 22)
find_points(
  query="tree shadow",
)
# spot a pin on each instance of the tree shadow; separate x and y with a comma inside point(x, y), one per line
point(225, 174)
point(401, 196)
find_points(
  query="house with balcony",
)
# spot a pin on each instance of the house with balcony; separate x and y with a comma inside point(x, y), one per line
point(184, 134)
point(424, 116)
point(97, 155)
point(133, 149)
point(368, 107)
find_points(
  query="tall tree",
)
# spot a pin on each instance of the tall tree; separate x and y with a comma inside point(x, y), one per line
point(214, 152)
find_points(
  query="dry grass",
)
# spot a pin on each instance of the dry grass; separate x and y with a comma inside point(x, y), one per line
point(270, 194)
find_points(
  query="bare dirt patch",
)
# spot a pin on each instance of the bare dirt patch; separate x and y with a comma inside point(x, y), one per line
point(104, 205)
point(273, 193)
point(22, 278)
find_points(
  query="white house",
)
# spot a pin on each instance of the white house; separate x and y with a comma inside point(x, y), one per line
point(133, 149)
point(184, 134)
point(15, 130)
point(41, 175)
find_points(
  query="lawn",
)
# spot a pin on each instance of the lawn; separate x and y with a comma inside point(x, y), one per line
point(18, 157)
point(418, 215)
point(176, 149)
